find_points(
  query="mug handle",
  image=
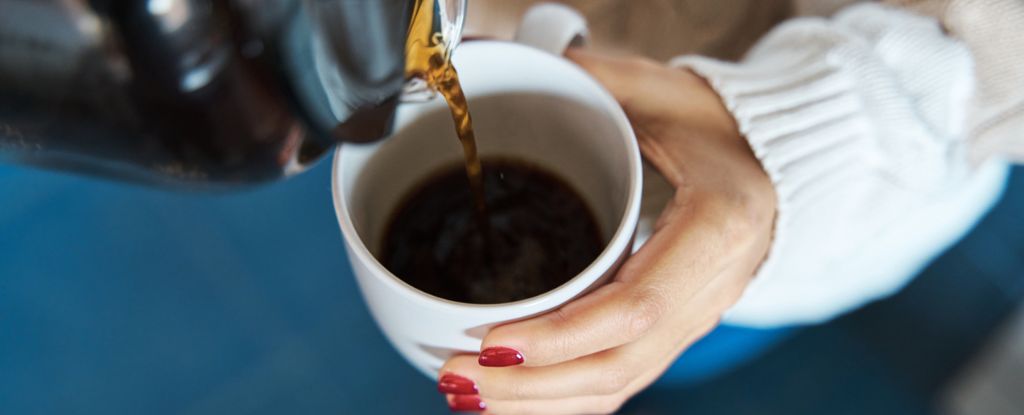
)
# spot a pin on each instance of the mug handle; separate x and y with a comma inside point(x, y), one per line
point(553, 28)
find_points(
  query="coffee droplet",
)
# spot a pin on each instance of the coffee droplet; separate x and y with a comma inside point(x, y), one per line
point(427, 57)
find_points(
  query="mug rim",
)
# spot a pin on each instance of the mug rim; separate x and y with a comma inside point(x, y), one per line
point(613, 250)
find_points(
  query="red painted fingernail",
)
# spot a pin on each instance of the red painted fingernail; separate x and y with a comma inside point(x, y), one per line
point(469, 403)
point(500, 357)
point(451, 383)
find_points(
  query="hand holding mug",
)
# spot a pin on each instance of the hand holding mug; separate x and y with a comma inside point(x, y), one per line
point(593, 353)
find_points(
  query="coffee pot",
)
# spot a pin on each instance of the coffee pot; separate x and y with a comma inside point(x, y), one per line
point(200, 93)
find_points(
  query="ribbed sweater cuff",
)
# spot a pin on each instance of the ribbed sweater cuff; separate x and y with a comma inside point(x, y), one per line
point(802, 121)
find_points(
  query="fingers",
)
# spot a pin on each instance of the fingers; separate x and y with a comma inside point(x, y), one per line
point(651, 93)
point(625, 77)
point(605, 373)
point(611, 372)
point(596, 383)
point(613, 315)
point(645, 88)
point(588, 385)
point(676, 262)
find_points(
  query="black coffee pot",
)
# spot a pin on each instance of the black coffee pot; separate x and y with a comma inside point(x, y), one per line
point(201, 93)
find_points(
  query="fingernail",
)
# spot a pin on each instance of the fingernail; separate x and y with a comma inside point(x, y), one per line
point(472, 403)
point(500, 357)
point(455, 384)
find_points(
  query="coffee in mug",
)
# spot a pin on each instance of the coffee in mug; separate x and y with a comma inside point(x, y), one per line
point(537, 234)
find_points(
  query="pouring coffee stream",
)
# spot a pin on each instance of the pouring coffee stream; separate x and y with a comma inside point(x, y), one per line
point(428, 56)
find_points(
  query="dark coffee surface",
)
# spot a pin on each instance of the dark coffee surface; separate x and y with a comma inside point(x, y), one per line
point(540, 234)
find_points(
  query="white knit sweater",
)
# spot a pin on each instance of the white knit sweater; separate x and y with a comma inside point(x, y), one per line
point(873, 124)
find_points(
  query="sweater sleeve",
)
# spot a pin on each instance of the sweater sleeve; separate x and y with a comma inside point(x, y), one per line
point(862, 123)
point(993, 31)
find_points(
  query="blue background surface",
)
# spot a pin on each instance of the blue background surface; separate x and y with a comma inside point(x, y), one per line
point(117, 299)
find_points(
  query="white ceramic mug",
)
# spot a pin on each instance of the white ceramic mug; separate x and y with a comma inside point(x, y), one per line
point(528, 104)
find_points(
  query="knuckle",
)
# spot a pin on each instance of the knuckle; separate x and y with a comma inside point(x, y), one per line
point(562, 344)
point(645, 308)
point(559, 318)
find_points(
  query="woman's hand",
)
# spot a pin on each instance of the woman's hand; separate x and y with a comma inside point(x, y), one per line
point(594, 353)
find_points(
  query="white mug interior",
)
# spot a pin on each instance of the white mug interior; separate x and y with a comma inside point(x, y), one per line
point(554, 125)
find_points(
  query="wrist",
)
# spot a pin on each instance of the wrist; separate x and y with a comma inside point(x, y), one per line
point(740, 201)
point(705, 109)
point(751, 189)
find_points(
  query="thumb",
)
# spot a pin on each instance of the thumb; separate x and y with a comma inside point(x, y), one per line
point(631, 79)
point(652, 92)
